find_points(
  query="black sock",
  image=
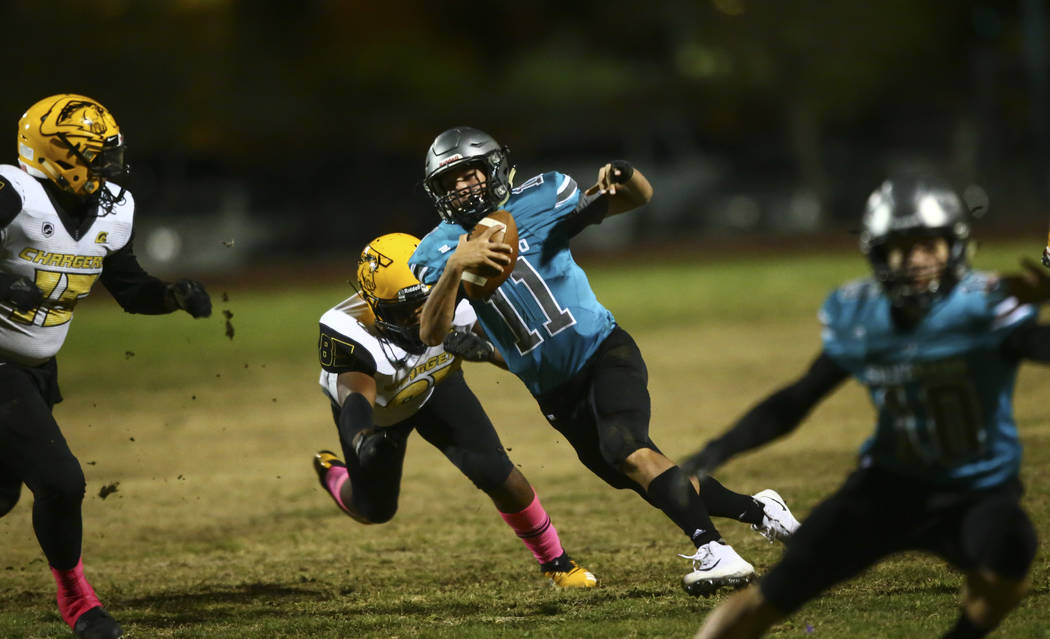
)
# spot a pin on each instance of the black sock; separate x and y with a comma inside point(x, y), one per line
point(965, 629)
point(672, 493)
point(558, 564)
point(722, 502)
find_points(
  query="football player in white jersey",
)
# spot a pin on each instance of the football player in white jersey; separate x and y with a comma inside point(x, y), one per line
point(383, 383)
point(63, 225)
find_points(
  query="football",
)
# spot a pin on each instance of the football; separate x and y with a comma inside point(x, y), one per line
point(480, 282)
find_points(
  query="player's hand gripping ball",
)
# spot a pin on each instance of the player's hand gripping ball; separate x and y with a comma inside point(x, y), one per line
point(479, 282)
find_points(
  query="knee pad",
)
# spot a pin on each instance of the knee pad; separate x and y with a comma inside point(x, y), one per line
point(618, 438)
point(376, 513)
point(487, 471)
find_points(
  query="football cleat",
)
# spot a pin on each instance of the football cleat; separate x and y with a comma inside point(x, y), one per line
point(323, 461)
point(97, 624)
point(716, 565)
point(777, 520)
point(576, 577)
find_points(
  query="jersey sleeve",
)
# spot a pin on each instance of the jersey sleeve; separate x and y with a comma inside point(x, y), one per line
point(341, 354)
point(10, 202)
point(428, 261)
point(544, 200)
point(567, 195)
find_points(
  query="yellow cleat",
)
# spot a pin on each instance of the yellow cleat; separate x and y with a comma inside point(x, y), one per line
point(324, 460)
point(576, 577)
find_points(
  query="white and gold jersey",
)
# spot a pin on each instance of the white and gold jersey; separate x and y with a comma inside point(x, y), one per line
point(404, 381)
point(37, 245)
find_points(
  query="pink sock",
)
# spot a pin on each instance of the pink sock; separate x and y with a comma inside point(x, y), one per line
point(75, 595)
point(536, 531)
point(334, 480)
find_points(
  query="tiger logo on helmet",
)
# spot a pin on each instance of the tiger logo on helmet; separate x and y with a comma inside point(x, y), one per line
point(391, 290)
point(75, 142)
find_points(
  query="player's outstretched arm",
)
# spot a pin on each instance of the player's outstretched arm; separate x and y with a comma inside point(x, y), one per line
point(1030, 286)
point(139, 292)
point(624, 187)
point(773, 417)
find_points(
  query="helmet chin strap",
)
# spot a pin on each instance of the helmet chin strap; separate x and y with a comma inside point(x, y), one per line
point(106, 199)
point(510, 186)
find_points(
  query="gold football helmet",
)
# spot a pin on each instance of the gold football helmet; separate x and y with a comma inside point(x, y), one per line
point(73, 141)
point(391, 290)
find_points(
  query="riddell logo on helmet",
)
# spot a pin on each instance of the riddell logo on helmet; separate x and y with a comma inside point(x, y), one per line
point(451, 159)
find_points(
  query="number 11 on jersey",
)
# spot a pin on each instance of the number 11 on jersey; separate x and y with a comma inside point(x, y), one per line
point(556, 318)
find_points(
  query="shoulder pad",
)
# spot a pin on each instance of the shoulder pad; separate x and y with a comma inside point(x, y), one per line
point(10, 202)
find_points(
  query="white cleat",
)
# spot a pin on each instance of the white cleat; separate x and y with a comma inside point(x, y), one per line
point(777, 520)
point(716, 565)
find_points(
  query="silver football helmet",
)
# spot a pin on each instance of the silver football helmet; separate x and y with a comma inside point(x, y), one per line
point(454, 150)
point(907, 208)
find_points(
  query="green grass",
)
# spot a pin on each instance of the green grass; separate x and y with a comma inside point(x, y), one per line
point(218, 528)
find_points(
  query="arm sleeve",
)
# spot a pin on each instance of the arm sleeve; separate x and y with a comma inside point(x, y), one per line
point(779, 413)
point(591, 209)
point(134, 289)
point(1028, 341)
point(341, 354)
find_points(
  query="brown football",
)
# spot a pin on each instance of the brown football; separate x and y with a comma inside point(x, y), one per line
point(479, 283)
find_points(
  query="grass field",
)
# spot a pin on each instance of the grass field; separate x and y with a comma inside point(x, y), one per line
point(218, 528)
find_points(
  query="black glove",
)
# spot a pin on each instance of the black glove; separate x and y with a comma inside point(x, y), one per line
point(469, 346)
point(704, 462)
point(20, 292)
point(190, 296)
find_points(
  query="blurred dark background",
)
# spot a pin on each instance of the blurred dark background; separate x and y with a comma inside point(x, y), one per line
point(268, 131)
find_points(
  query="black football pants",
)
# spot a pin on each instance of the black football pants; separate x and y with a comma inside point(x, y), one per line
point(34, 452)
point(877, 513)
point(604, 409)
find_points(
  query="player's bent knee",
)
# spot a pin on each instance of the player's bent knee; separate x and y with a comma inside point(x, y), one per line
point(617, 444)
point(371, 514)
point(990, 597)
point(1008, 548)
point(61, 482)
point(487, 472)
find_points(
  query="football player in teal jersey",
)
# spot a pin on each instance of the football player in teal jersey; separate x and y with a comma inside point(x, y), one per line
point(549, 329)
point(938, 346)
